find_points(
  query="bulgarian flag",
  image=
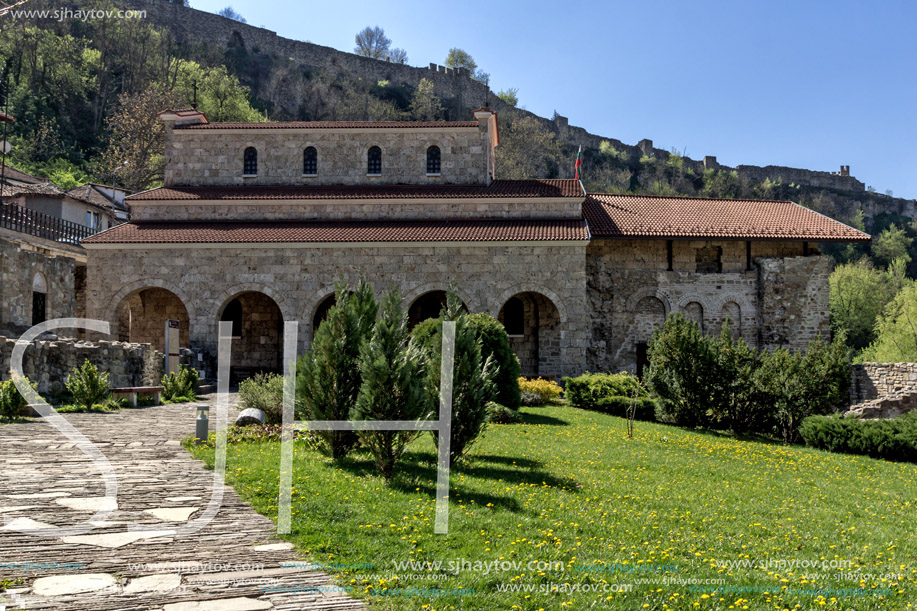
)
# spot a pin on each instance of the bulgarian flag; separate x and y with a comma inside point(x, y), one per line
point(579, 162)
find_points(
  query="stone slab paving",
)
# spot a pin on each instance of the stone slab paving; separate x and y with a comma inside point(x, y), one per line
point(224, 567)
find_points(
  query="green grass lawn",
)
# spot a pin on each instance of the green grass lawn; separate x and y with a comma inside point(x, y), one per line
point(568, 488)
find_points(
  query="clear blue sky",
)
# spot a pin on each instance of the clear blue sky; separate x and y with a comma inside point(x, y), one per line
point(806, 84)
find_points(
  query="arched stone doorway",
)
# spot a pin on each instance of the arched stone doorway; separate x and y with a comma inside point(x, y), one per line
point(141, 317)
point(321, 311)
point(533, 323)
point(429, 305)
point(257, 331)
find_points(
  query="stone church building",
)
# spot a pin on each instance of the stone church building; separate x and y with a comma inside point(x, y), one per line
point(257, 221)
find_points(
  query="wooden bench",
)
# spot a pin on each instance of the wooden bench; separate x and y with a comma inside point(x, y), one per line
point(133, 391)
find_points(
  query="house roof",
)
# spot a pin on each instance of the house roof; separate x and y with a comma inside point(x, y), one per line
point(11, 173)
point(461, 230)
point(329, 125)
point(91, 193)
point(498, 188)
point(46, 189)
point(644, 216)
point(6, 117)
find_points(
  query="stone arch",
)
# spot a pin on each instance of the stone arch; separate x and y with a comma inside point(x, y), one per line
point(650, 312)
point(694, 311)
point(320, 311)
point(140, 317)
point(497, 304)
point(111, 309)
point(411, 296)
point(747, 307)
point(538, 346)
point(281, 299)
point(732, 311)
point(40, 296)
point(428, 305)
point(637, 296)
point(258, 319)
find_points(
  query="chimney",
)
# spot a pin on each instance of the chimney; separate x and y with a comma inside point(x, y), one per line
point(487, 123)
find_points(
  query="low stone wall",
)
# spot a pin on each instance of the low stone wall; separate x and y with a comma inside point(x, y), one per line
point(49, 362)
point(871, 381)
point(883, 390)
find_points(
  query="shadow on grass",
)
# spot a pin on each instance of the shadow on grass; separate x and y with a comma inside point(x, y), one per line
point(535, 418)
point(722, 434)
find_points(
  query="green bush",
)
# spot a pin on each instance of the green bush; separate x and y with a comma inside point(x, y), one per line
point(588, 389)
point(500, 414)
point(538, 391)
point(645, 408)
point(180, 387)
point(264, 392)
point(720, 382)
point(328, 376)
point(11, 401)
point(88, 386)
point(894, 439)
point(494, 345)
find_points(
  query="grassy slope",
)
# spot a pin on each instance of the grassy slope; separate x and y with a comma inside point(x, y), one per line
point(569, 486)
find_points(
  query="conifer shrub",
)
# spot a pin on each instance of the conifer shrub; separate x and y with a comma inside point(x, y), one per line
point(328, 376)
point(88, 386)
point(892, 439)
point(500, 414)
point(391, 367)
point(473, 378)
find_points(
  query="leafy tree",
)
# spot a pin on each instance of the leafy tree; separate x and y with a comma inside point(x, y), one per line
point(399, 56)
point(328, 376)
point(527, 150)
point(896, 330)
point(893, 243)
point(136, 137)
point(858, 294)
point(510, 96)
point(459, 58)
point(425, 106)
point(393, 389)
point(372, 42)
point(230, 13)
point(219, 94)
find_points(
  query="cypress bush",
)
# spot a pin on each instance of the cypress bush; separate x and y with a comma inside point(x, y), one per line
point(328, 377)
point(472, 382)
point(393, 389)
point(494, 345)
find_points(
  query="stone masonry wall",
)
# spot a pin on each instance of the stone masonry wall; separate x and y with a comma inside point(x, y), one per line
point(189, 25)
point(871, 381)
point(793, 306)
point(344, 209)
point(631, 291)
point(18, 266)
point(203, 157)
point(299, 279)
point(49, 362)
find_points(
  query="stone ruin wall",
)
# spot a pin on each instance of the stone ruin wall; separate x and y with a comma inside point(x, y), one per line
point(49, 362)
point(457, 86)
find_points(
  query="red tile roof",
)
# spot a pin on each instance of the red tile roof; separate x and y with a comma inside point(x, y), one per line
point(498, 188)
point(642, 216)
point(463, 230)
point(6, 117)
point(330, 125)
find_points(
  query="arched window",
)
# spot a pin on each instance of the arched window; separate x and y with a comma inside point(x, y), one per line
point(374, 161)
point(514, 317)
point(433, 160)
point(310, 161)
point(233, 313)
point(39, 299)
point(250, 162)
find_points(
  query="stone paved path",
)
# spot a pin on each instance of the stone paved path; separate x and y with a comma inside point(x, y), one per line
point(46, 480)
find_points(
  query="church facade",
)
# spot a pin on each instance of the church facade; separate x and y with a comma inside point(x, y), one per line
point(256, 222)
